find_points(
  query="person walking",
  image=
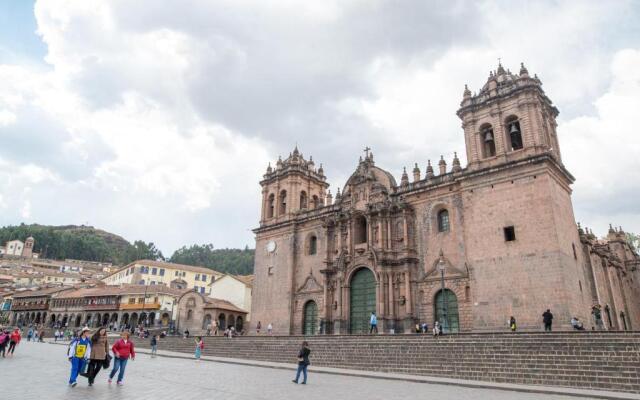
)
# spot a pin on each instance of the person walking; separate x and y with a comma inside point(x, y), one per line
point(122, 351)
point(303, 363)
point(258, 327)
point(14, 340)
point(56, 335)
point(547, 319)
point(199, 347)
point(99, 356)
point(437, 331)
point(270, 329)
point(29, 334)
point(373, 323)
point(78, 354)
point(512, 324)
point(154, 345)
point(4, 341)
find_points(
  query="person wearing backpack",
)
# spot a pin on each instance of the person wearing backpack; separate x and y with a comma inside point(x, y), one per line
point(99, 354)
point(122, 351)
point(78, 354)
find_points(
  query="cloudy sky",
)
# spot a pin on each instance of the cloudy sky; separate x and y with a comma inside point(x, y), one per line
point(156, 119)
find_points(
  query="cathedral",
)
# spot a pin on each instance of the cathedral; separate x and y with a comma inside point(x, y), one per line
point(469, 247)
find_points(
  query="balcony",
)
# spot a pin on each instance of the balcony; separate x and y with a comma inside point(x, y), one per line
point(22, 307)
point(139, 306)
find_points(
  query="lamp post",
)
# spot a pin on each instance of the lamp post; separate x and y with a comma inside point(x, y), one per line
point(441, 266)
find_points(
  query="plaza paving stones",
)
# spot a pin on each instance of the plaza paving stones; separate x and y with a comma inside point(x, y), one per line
point(41, 371)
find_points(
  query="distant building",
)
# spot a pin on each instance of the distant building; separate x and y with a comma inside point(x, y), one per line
point(196, 313)
point(177, 276)
point(236, 289)
point(18, 248)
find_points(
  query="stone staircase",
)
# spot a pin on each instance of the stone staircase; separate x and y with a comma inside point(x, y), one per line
point(586, 360)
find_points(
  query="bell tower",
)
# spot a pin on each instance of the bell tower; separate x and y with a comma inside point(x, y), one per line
point(510, 119)
point(293, 186)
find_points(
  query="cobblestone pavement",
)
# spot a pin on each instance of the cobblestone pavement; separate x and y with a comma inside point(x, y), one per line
point(41, 371)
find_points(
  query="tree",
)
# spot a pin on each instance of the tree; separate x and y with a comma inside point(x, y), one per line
point(232, 261)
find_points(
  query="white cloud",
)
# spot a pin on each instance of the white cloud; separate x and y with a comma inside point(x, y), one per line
point(156, 119)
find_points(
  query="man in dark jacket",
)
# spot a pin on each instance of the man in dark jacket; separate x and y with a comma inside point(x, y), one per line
point(547, 318)
point(303, 362)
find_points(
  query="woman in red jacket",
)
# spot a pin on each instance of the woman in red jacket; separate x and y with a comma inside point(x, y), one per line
point(122, 350)
point(14, 339)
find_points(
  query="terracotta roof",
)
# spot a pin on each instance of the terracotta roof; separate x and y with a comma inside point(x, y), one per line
point(246, 279)
point(119, 290)
point(42, 292)
point(222, 305)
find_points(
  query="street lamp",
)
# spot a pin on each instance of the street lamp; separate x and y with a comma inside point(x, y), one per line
point(441, 266)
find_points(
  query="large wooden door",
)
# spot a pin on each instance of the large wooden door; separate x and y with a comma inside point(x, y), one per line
point(310, 318)
point(447, 311)
point(362, 300)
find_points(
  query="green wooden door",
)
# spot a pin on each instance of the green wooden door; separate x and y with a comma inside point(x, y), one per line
point(310, 318)
point(451, 323)
point(363, 300)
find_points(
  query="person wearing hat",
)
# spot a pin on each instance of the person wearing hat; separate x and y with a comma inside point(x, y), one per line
point(79, 351)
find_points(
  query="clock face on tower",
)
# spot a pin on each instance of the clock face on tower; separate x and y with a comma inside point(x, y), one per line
point(271, 246)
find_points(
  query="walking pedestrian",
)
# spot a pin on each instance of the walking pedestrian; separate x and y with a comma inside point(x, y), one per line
point(199, 347)
point(154, 345)
point(4, 341)
point(56, 335)
point(270, 329)
point(122, 351)
point(214, 326)
point(303, 363)
point(29, 334)
point(547, 319)
point(258, 327)
point(373, 323)
point(78, 354)
point(14, 340)
point(99, 356)
point(512, 324)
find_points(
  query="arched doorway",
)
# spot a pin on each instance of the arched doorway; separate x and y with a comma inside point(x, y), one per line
point(165, 319)
point(65, 320)
point(239, 324)
point(222, 323)
point(105, 319)
point(78, 320)
point(134, 321)
point(310, 321)
point(362, 300)
point(447, 311)
point(232, 321)
point(206, 321)
point(125, 319)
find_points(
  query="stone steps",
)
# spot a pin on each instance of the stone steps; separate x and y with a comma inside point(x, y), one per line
point(595, 360)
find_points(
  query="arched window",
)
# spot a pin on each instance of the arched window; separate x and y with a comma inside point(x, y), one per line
point(283, 202)
point(360, 230)
point(316, 201)
point(514, 133)
point(189, 314)
point(313, 245)
point(271, 205)
point(303, 200)
point(443, 221)
point(488, 141)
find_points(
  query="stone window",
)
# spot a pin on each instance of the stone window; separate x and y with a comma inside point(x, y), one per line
point(283, 202)
point(316, 201)
point(303, 200)
point(154, 271)
point(443, 221)
point(488, 141)
point(509, 233)
point(313, 245)
point(189, 315)
point(360, 230)
point(161, 271)
point(514, 133)
point(271, 205)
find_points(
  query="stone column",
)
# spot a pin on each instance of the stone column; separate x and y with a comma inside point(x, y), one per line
point(407, 293)
point(391, 313)
point(405, 230)
point(388, 233)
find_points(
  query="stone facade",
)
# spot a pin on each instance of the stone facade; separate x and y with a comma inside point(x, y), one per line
point(197, 312)
point(499, 234)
